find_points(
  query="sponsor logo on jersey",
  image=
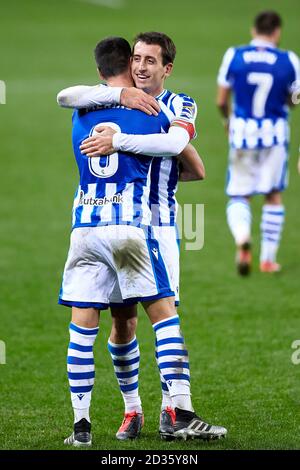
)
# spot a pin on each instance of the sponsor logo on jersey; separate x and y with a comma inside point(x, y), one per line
point(99, 201)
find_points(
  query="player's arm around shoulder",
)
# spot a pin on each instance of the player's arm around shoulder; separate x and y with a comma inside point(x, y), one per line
point(191, 165)
point(169, 144)
point(84, 96)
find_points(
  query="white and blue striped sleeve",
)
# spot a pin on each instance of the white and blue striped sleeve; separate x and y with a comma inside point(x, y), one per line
point(223, 75)
point(185, 109)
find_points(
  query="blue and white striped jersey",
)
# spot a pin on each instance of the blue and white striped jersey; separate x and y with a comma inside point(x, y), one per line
point(181, 110)
point(261, 77)
point(123, 188)
point(113, 189)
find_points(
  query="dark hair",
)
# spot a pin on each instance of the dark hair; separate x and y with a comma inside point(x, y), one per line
point(168, 49)
point(112, 56)
point(266, 22)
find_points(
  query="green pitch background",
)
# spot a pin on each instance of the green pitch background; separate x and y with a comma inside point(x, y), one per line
point(238, 331)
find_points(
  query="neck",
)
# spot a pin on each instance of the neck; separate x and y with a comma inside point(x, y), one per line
point(124, 80)
point(263, 37)
point(153, 93)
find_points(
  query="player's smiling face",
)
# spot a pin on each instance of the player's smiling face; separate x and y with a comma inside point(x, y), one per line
point(147, 68)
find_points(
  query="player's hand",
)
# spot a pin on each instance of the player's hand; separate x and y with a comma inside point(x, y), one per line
point(298, 166)
point(138, 99)
point(100, 144)
point(104, 130)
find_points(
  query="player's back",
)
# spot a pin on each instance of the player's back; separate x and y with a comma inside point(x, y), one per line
point(113, 189)
point(261, 78)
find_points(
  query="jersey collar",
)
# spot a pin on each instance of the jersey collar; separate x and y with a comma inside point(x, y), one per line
point(160, 96)
point(262, 43)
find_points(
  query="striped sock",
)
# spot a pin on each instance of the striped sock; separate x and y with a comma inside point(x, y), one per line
point(239, 219)
point(173, 361)
point(81, 369)
point(166, 397)
point(126, 361)
point(271, 229)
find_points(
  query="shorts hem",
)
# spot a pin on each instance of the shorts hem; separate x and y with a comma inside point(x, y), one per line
point(125, 302)
point(258, 193)
point(71, 303)
point(160, 295)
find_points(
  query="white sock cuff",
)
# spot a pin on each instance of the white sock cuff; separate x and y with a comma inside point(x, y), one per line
point(274, 208)
point(170, 321)
point(118, 345)
point(238, 200)
point(83, 330)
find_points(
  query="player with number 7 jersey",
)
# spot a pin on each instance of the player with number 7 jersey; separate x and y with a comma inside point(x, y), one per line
point(262, 79)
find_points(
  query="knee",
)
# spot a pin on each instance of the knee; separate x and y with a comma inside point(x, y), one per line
point(123, 330)
point(274, 198)
point(85, 317)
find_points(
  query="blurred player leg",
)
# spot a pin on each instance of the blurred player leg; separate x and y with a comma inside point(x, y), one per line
point(242, 173)
point(271, 228)
point(239, 221)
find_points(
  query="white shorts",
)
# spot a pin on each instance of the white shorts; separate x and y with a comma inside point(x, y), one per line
point(112, 264)
point(258, 171)
point(167, 237)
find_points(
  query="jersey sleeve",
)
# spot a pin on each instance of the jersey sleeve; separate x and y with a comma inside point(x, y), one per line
point(185, 110)
point(294, 85)
point(153, 145)
point(82, 96)
point(224, 78)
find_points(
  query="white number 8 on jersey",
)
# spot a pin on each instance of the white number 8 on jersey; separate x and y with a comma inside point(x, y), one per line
point(112, 161)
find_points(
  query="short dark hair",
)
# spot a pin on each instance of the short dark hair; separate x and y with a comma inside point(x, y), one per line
point(266, 22)
point(112, 56)
point(168, 49)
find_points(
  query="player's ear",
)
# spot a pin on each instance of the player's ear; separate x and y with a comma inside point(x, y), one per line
point(168, 69)
point(277, 34)
point(100, 75)
point(253, 32)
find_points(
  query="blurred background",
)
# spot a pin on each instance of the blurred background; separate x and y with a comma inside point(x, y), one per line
point(238, 331)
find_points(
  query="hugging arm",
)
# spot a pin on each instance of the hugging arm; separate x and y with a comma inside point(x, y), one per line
point(191, 164)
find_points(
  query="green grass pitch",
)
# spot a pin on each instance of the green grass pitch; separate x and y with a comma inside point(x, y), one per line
point(238, 331)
